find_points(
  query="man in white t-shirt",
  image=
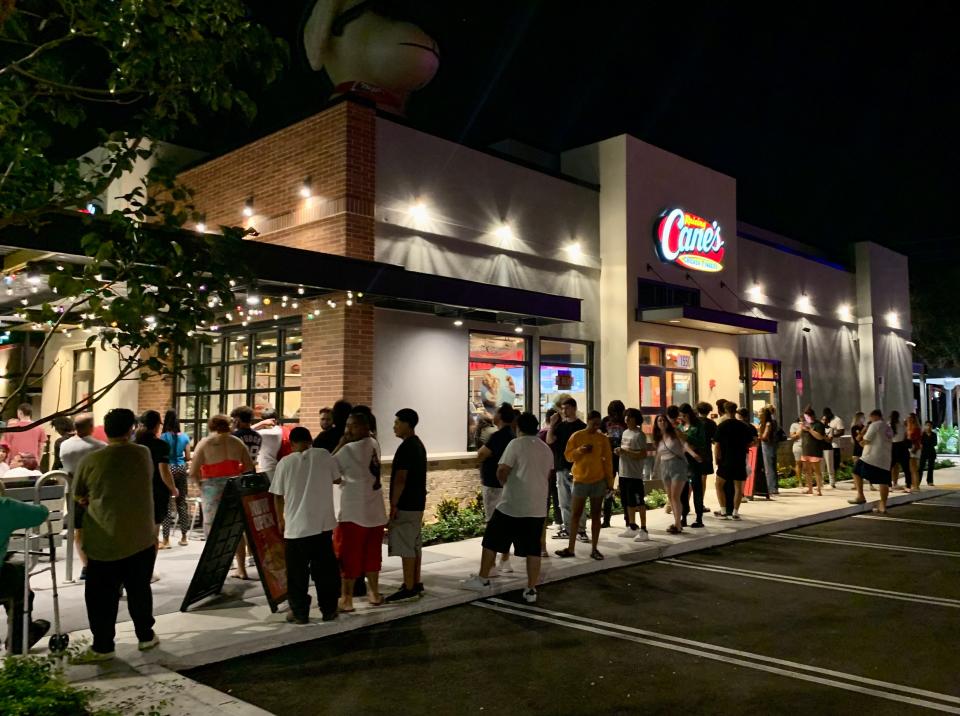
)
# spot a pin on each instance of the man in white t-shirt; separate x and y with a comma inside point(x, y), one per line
point(524, 471)
point(72, 451)
point(874, 464)
point(303, 494)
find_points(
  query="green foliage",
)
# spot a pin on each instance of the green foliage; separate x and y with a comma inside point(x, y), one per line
point(150, 68)
point(940, 464)
point(655, 499)
point(788, 481)
point(31, 686)
point(455, 523)
point(948, 439)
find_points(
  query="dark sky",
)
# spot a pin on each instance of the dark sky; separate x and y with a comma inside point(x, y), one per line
point(838, 120)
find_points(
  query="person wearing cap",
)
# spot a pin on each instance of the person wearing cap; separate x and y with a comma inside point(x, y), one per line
point(302, 489)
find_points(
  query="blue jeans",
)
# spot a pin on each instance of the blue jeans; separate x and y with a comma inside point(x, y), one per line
point(565, 491)
point(770, 466)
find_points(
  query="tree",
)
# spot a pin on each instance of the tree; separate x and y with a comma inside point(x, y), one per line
point(131, 74)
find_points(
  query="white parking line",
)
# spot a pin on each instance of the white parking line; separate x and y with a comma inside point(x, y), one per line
point(869, 545)
point(930, 503)
point(746, 659)
point(814, 583)
point(904, 519)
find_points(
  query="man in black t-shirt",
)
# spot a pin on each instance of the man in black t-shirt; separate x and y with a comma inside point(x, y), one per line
point(331, 436)
point(558, 434)
point(490, 455)
point(242, 418)
point(732, 440)
point(408, 497)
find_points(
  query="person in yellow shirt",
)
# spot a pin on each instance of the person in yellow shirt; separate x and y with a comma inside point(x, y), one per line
point(592, 471)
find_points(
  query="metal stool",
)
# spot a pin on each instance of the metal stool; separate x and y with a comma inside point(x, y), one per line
point(195, 510)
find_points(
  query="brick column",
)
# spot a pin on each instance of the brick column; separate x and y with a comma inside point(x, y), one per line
point(337, 361)
point(336, 150)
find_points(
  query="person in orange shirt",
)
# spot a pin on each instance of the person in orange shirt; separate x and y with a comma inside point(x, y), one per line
point(592, 471)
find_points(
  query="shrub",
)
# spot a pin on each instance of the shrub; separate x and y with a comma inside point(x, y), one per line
point(939, 464)
point(655, 499)
point(455, 523)
point(948, 438)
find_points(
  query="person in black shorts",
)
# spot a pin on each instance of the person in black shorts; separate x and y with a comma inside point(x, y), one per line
point(732, 440)
point(524, 471)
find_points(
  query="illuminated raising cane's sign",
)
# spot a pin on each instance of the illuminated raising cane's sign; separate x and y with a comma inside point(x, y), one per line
point(689, 240)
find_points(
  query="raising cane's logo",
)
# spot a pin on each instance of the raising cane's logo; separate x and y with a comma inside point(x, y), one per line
point(690, 241)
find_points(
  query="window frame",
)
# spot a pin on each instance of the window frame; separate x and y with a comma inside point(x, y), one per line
point(527, 365)
point(588, 367)
point(221, 396)
point(660, 371)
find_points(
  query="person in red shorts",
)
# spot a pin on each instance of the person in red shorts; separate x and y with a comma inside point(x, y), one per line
point(358, 537)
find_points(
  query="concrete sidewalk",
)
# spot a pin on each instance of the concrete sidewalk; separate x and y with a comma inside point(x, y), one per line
point(239, 622)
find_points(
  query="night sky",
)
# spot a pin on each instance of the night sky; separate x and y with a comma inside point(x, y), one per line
point(838, 120)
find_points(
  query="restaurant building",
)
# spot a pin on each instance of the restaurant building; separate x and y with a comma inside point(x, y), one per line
point(399, 269)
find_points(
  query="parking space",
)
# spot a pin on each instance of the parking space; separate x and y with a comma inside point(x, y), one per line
point(772, 625)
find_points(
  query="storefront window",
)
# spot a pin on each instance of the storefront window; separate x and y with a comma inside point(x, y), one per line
point(498, 373)
point(564, 370)
point(667, 377)
point(245, 366)
point(760, 385)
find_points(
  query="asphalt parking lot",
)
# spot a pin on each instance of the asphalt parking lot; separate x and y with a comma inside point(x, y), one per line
point(851, 615)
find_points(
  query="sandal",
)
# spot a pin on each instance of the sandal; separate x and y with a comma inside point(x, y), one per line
point(373, 603)
point(344, 610)
point(672, 529)
point(878, 511)
point(595, 554)
point(565, 552)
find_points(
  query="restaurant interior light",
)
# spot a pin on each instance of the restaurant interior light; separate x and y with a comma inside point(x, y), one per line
point(248, 208)
point(518, 329)
point(253, 300)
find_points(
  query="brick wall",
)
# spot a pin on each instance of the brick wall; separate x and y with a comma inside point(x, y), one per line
point(336, 151)
point(337, 361)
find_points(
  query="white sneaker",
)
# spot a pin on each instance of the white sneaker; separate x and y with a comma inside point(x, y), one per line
point(476, 583)
point(147, 645)
point(530, 595)
point(505, 567)
point(642, 536)
point(629, 532)
point(494, 572)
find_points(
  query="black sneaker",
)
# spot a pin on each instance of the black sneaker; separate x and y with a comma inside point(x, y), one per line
point(582, 537)
point(562, 534)
point(328, 617)
point(419, 588)
point(403, 595)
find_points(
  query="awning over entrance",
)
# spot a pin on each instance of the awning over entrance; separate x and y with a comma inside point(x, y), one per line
point(707, 319)
point(280, 267)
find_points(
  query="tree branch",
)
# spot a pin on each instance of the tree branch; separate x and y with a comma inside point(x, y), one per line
point(47, 46)
point(73, 89)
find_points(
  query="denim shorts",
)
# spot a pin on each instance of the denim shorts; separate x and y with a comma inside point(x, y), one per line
point(674, 470)
point(590, 489)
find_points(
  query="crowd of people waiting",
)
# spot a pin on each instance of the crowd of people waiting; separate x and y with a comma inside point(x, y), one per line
point(130, 491)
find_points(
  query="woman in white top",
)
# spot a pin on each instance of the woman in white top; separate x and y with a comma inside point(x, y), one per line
point(795, 435)
point(671, 466)
point(363, 516)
